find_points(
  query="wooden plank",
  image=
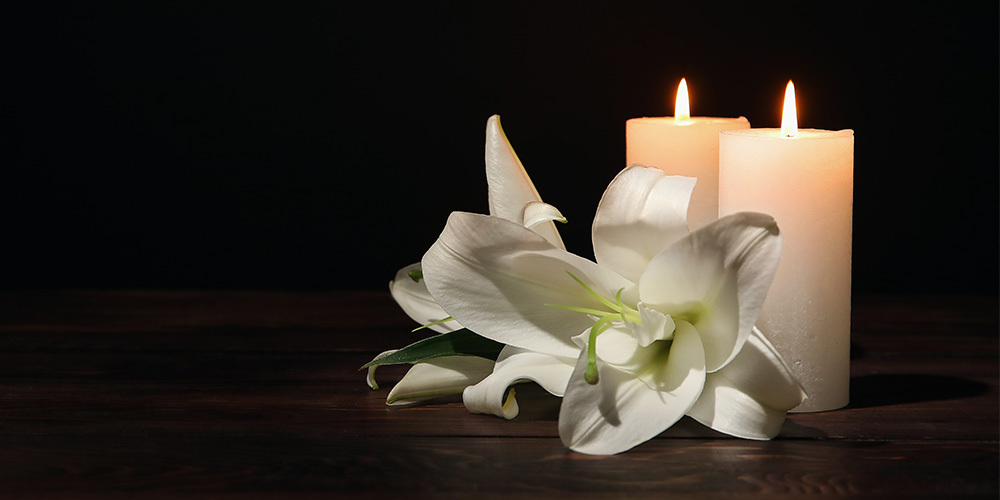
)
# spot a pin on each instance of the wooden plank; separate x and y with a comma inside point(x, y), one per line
point(257, 394)
point(287, 462)
point(101, 406)
point(895, 398)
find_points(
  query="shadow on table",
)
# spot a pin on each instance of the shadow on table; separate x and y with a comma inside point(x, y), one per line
point(793, 429)
point(900, 388)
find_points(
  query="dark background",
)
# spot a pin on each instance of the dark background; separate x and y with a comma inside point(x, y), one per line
point(245, 145)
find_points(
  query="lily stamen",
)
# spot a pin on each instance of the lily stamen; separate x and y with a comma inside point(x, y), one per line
point(596, 295)
point(438, 322)
point(590, 375)
point(619, 311)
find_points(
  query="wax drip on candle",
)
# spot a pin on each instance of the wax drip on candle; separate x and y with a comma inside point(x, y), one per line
point(789, 119)
point(682, 108)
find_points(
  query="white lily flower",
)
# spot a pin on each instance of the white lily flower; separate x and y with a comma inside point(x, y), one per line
point(512, 197)
point(672, 311)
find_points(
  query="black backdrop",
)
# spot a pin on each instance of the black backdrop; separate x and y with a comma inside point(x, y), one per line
point(246, 145)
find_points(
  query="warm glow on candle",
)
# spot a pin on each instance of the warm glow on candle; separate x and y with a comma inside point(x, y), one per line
point(682, 108)
point(789, 120)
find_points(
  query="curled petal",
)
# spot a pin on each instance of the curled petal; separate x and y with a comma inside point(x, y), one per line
point(371, 369)
point(413, 297)
point(642, 212)
point(717, 279)
point(439, 377)
point(505, 282)
point(510, 188)
point(623, 410)
point(517, 365)
point(751, 395)
point(537, 212)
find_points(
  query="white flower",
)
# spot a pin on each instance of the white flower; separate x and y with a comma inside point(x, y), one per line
point(512, 197)
point(653, 331)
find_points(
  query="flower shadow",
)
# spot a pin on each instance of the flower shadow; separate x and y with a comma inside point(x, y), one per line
point(889, 389)
point(536, 405)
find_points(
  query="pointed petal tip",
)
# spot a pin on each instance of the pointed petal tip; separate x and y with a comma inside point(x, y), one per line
point(510, 407)
point(537, 212)
point(493, 127)
point(370, 378)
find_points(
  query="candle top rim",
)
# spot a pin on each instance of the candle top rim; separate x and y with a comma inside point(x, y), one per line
point(693, 119)
point(804, 133)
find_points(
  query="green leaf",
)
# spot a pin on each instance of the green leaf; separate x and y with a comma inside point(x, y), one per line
point(456, 343)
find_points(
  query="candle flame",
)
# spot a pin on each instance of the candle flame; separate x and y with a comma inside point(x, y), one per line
point(682, 108)
point(789, 118)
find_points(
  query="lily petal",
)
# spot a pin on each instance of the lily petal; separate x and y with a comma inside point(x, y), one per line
point(642, 212)
point(622, 410)
point(751, 395)
point(537, 212)
point(371, 370)
point(438, 377)
point(654, 326)
point(510, 188)
point(504, 282)
point(517, 365)
point(413, 297)
point(717, 279)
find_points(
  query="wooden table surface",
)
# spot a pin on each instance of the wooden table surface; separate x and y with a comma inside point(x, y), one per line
point(134, 394)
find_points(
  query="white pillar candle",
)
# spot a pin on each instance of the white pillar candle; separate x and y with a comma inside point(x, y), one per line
point(683, 145)
point(805, 180)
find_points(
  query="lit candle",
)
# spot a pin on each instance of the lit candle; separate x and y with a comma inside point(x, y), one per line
point(683, 145)
point(804, 178)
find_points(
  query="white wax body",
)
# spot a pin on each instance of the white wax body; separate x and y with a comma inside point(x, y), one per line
point(807, 184)
point(688, 148)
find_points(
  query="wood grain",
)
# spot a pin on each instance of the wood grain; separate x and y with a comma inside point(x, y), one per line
point(155, 394)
